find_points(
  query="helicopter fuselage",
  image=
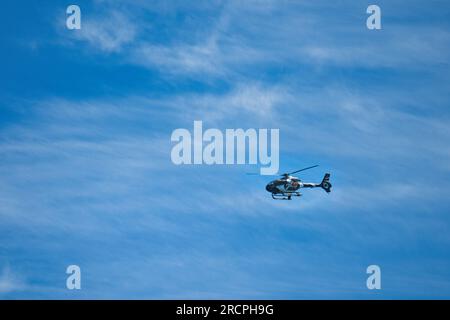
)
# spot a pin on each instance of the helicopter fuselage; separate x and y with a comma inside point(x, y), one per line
point(285, 185)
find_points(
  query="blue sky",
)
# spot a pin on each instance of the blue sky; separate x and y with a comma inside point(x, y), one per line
point(86, 176)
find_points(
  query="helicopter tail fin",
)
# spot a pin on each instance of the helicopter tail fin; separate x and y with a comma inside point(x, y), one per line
point(326, 184)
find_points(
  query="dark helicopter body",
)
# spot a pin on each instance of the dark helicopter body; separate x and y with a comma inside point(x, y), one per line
point(288, 186)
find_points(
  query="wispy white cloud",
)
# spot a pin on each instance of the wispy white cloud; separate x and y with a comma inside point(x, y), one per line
point(109, 32)
point(243, 36)
point(196, 59)
point(10, 281)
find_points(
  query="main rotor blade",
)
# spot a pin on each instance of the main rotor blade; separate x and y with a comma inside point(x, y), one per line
point(262, 175)
point(303, 169)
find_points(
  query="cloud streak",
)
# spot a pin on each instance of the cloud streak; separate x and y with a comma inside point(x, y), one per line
point(10, 282)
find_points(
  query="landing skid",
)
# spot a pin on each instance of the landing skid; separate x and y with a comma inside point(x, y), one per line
point(285, 195)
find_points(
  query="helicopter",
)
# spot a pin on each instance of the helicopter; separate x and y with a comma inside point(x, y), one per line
point(287, 186)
